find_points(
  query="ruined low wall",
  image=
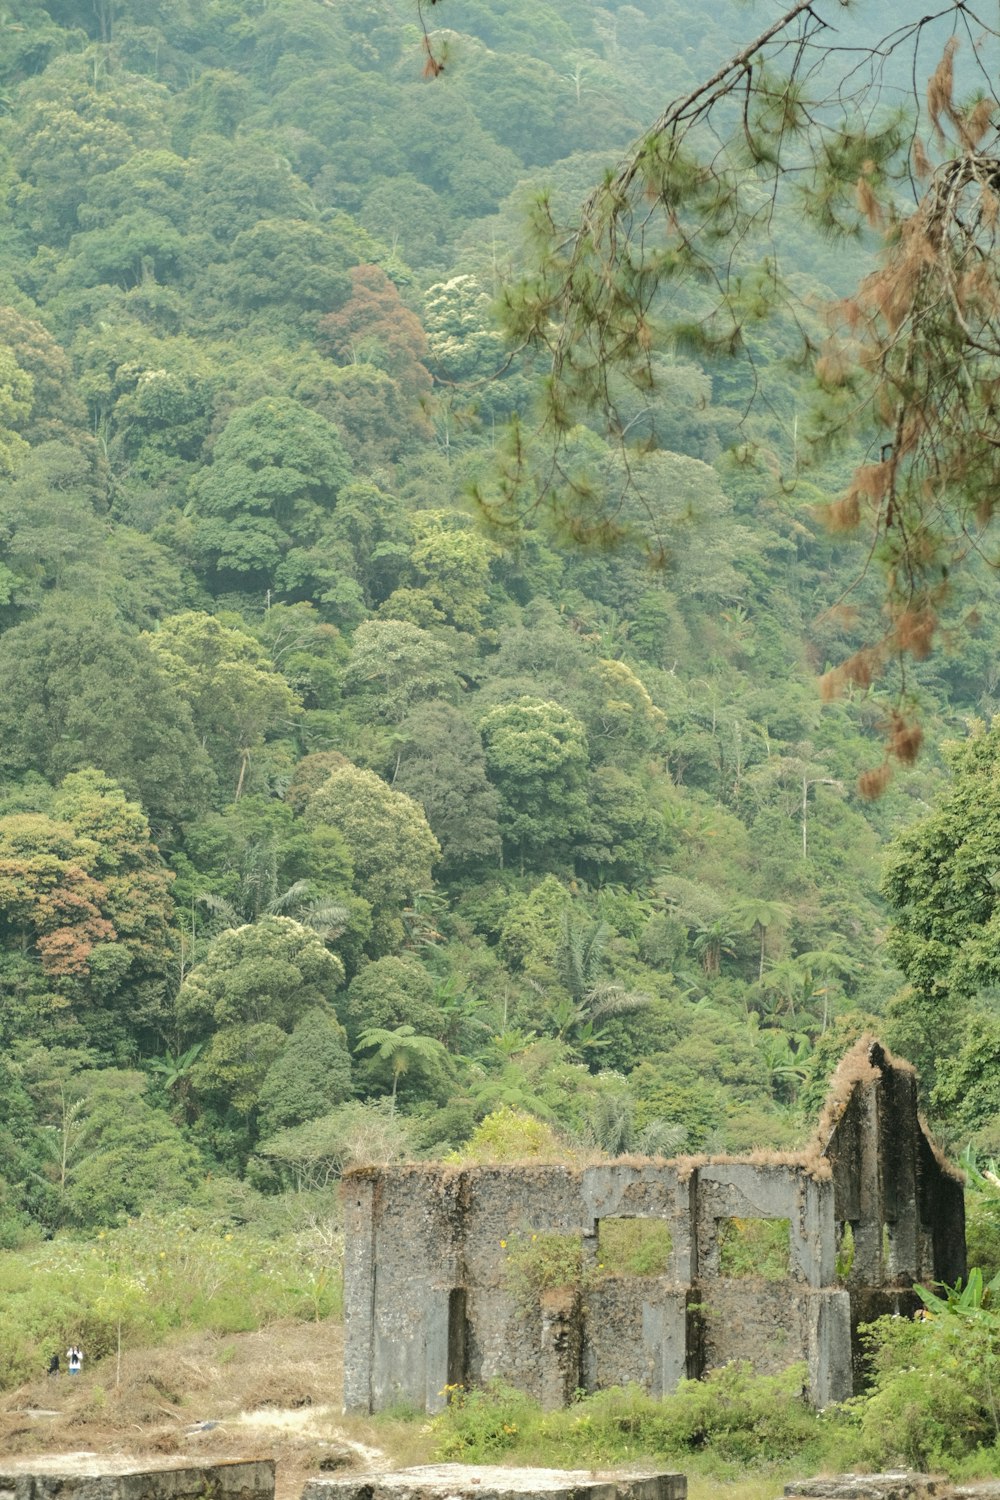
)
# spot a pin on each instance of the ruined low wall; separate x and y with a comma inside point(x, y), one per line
point(432, 1297)
point(431, 1301)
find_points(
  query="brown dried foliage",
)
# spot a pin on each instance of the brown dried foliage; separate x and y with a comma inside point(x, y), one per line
point(973, 123)
point(833, 366)
point(433, 65)
point(871, 784)
point(844, 514)
point(868, 203)
point(831, 685)
point(940, 88)
point(873, 480)
point(850, 313)
point(922, 168)
point(854, 1070)
point(914, 632)
point(861, 669)
point(905, 739)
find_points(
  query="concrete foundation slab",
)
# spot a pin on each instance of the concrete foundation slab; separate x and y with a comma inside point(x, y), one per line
point(493, 1482)
point(895, 1484)
point(93, 1476)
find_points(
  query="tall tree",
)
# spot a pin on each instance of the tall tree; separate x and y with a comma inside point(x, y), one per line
point(235, 695)
point(439, 762)
point(536, 755)
point(244, 1000)
point(942, 880)
point(391, 845)
point(400, 1048)
point(276, 471)
point(80, 690)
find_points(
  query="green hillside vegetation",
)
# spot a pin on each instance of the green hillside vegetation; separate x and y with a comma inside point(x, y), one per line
point(333, 824)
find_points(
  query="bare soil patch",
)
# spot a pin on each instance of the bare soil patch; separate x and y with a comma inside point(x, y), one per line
point(276, 1393)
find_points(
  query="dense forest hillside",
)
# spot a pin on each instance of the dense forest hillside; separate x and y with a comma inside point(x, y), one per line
point(331, 820)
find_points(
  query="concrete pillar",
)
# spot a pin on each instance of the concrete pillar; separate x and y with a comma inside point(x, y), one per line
point(664, 1338)
point(831, 1373)
point(812, 1233)
point(561, 1351)
point(359, 1292)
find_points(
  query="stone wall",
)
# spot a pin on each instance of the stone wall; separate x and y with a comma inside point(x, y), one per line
point(435, 1295)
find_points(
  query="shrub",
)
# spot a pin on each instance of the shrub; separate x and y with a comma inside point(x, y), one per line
point(732, 1420)
point(743, 1418)
point(935, 1397)
point(982, 1231)
point(754, 1247)
point(510, 1135)
point(929, 1401)
point(481, 1425)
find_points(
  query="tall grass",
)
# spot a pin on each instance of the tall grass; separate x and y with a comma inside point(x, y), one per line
point(136, 1285)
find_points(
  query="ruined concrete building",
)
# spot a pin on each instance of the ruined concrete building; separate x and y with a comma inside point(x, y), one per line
point(562, 1278)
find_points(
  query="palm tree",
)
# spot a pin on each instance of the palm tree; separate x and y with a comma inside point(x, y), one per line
point(327, 919)
point(175, 1069)
point(784, 1061)
point(401, 1047)
point(712, 941)
point(578, 954)
point(756, 912)
point(591, 999)
point(525, 1063)
point(461, 1015)
point(786, 997)
point(832, 967)
point(422, 920)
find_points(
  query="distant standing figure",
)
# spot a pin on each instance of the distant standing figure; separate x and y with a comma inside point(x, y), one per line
point(75, 1357)
point(54, 1365)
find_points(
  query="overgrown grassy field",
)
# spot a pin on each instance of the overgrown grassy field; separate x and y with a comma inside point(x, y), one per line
point(136, 1286)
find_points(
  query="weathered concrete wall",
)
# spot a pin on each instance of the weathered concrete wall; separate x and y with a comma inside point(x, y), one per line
point(904, 1206)
point(403, 1231)
point(656, 1314)
point(430, 1303)
point(431, 1299)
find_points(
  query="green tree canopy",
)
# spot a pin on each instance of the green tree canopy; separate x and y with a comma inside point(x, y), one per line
point(245, 999)
point(393, 664)
point(310, 1077)
point(393, 991)
point(268, 972)
point(80, 690)
point(133, 1157)
point(536, 756)
point(276, 471)
point(235, 695)
point(440, 764)
point(391, 845)
point(942, 880)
